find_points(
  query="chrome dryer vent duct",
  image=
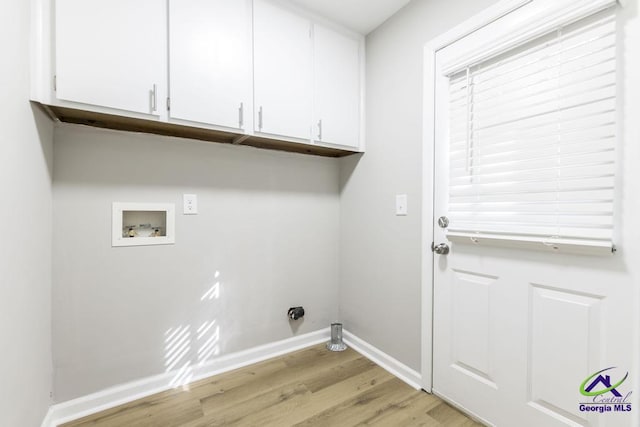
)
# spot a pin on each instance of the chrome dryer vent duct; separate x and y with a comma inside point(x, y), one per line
point(336, 343)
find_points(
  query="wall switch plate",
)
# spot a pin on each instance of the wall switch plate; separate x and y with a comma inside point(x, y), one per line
point(401, 204)
point(190, 204)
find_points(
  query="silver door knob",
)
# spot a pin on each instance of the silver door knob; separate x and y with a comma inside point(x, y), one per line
point(440, 249)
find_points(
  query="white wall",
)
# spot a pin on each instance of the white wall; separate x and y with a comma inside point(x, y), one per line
point(380, 270)
point(25, 232)
point(268, 226)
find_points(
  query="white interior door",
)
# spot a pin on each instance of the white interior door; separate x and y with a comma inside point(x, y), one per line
point(518, 332)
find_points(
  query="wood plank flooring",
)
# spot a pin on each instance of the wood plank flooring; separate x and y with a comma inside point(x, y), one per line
point(311, 387)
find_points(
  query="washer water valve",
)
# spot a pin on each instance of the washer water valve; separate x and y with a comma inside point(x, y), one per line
point(295, 313)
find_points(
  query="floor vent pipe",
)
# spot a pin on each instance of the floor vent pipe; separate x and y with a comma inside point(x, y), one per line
point(336, 343)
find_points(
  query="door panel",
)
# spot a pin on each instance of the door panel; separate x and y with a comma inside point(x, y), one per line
point(471, 324)
point(112, 53)
point(336, 87)
point(546, 323)
point(564, 330)
point(210, 61)
point(282, 71)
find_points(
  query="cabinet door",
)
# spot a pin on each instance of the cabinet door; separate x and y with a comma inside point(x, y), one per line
point(336, 88)
point(282, 71)
point(210, 61)
point(111, 53)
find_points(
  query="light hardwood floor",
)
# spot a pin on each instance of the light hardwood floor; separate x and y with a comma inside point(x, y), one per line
point(311, 387)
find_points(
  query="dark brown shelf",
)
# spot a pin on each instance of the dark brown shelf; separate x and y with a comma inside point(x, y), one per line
point(112, 121)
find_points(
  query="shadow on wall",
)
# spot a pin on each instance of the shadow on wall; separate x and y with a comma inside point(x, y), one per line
point(116, 158)
point(188, 346)
point(347, 167)
point(45, 133)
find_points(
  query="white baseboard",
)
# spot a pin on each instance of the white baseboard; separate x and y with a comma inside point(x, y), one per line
point(400, 370)
point(48, 419)
point(81, 407)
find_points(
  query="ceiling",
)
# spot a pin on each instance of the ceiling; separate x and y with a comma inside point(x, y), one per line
point(359, 15)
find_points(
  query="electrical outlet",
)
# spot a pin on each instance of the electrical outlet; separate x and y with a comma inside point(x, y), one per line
point(401, 204)
point(190, 204)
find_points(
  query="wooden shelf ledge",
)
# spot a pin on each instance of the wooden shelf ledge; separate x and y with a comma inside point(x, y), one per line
point(130, 124)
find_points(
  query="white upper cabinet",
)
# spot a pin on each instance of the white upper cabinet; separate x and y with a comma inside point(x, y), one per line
point(282, 71)
point(336, 87)
point(254, 72)
point(210, 61)
point(111, 53)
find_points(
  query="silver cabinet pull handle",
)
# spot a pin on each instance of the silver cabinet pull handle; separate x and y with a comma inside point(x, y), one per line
point(260, 118)
point(241, 115)
point(154, 98)
point(320, 130)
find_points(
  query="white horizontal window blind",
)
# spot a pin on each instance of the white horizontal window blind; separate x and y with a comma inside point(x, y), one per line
point(532, 140)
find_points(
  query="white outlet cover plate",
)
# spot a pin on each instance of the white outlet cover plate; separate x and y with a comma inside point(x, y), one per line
point(401, 204)
point(190, 202)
